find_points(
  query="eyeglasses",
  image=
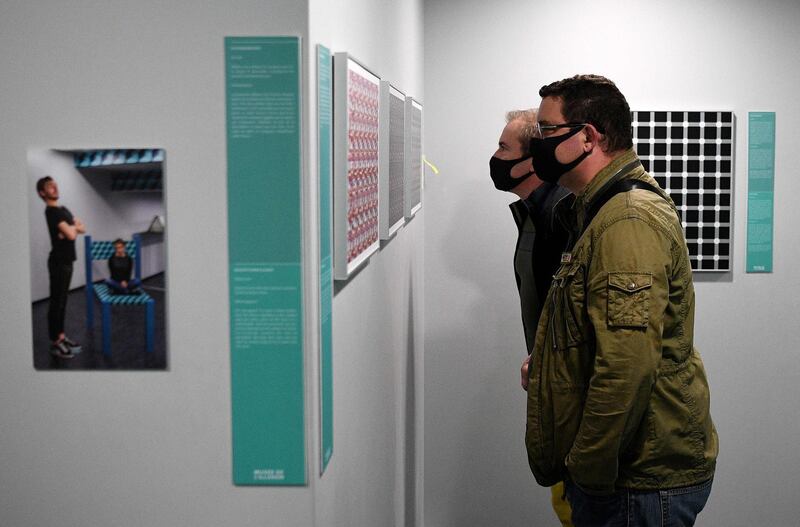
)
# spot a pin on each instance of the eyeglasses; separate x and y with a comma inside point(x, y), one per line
point(541, 129)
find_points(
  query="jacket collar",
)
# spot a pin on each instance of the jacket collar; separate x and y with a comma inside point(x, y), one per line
point(520, 211)
point(536, 203)
point(623, 165)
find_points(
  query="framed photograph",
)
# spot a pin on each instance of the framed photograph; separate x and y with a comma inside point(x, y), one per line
point(98, 259)
point(413, 157)
point(356, 165)
point(392, 157)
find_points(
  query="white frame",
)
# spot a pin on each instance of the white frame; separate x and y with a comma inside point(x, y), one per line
point(385, 155)
point(343, 64)
point(412, 205)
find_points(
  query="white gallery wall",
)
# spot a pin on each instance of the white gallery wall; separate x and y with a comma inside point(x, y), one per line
point(132, 448)
point(377, 314)
point(484, 58)
point(154, 448)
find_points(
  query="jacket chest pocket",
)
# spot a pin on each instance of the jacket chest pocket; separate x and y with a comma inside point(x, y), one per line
point(569, 299)
point(629, 299)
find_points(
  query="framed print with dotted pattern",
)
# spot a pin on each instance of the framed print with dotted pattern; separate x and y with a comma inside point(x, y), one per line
point(356, 93)
point(413, 157)
point(690, 154)
point(392, 151)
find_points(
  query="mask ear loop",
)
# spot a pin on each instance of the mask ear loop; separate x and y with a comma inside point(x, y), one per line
point(586, 153)
point(577, 161)
point(528, 174)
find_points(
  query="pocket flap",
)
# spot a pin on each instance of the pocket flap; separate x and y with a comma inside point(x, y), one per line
point(630, 282)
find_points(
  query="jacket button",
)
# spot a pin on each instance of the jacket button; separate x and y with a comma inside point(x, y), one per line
point(632, 286)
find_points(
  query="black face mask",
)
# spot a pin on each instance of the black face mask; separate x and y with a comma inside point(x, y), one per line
point(500, 170)
point(547, 167)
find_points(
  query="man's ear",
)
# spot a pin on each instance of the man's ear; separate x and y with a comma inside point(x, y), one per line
point(593, 138)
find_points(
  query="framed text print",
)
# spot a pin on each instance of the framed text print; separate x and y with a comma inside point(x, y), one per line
point(392, 156)
point(413, 157)
point(324, 142)
point(265, 250)
point(760, 190)
point(355, 164)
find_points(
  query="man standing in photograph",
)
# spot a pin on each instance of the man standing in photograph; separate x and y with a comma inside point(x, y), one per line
point(63, 228)
point(618, 400)
point(540, 240)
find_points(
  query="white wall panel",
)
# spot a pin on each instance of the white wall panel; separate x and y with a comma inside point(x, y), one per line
point(375, 475)
point(133, 449)
point(483, 59)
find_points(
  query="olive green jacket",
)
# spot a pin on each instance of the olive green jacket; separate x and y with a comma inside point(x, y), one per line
point(617, 395)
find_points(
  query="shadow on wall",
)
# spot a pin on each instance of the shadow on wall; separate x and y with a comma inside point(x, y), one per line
point(339, 285)
point(410, 432)
point(474, 344)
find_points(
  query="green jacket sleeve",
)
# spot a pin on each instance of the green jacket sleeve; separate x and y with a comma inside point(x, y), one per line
point(626, 297)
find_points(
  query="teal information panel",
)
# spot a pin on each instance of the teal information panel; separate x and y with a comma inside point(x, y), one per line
point(760, 190)
point(262, 81)
point(324, 107)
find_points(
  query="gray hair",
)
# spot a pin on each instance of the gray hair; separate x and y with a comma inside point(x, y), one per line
point(528, 130)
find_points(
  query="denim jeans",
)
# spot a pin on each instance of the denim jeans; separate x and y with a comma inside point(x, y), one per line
point(676, 507)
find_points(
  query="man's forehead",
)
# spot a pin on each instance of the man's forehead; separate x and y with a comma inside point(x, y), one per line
point(511, 131)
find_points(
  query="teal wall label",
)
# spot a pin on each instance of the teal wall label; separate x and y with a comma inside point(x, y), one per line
point(262, 85)
point(324, 116)
point(760, 190)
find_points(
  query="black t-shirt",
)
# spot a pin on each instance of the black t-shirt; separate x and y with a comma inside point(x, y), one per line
point(120, 268)
point(63, 250)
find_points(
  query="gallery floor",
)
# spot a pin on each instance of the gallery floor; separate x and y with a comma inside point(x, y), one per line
point(127, 334)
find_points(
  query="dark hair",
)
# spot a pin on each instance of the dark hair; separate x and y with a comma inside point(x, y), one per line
point(596, 100)
point(118, 240)
point(41, 183)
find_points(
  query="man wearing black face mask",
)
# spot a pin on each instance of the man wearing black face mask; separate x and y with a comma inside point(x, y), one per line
point(540, 241)
point(618, 401)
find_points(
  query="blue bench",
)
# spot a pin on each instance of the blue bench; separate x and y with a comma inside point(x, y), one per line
point(102, 250)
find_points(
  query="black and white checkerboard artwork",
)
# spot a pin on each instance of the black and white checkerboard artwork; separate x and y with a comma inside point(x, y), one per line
point(690, 154)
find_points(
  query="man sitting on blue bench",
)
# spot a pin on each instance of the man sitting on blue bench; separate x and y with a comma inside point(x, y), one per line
point(120, 265)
